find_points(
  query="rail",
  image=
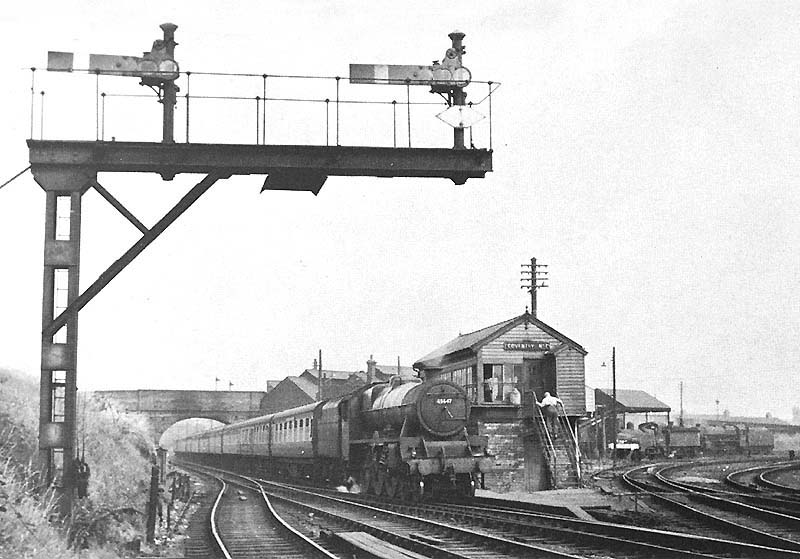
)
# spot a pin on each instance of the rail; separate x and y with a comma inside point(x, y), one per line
point(324, 552)
point(781, 545)
point(214, 531)
point(522, 532)
point(252, 483)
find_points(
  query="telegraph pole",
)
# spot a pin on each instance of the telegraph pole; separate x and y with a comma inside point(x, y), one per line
point(681, 418)
point(319, 377)
point(614, 402)
point(533, 278)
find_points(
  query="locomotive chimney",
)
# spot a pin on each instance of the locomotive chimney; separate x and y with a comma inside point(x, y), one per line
point(370, 370)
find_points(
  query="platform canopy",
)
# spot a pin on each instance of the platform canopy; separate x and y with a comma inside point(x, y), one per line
point(630, 401)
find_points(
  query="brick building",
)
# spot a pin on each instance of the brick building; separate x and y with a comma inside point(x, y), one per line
point(305, 388)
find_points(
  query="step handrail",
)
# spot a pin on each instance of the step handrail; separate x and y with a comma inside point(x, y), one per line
point(549, 446)
point(575, 450)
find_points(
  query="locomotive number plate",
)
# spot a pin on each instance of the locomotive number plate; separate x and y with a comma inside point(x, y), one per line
point(442, 401)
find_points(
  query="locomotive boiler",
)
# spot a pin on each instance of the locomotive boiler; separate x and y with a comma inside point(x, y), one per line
point(419, 436)
point(404, 438)
point(652, 440)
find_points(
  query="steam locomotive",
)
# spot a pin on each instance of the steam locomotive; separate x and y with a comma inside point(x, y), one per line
point(650, 439)
point(404, 439)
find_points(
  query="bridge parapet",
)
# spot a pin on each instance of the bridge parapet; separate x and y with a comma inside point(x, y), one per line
point(164, 408)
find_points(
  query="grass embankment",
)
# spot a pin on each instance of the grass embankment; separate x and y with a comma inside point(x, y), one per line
point(103, 525)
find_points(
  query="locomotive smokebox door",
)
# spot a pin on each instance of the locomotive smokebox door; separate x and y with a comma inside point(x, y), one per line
point(443, 409)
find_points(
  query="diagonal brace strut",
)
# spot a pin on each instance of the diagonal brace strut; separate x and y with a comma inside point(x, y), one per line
point(118, 206)
point(149, 236)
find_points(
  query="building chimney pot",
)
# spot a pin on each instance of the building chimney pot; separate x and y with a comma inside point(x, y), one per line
point(370, 370)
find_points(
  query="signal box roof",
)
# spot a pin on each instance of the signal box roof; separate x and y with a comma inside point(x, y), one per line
point(469, 344)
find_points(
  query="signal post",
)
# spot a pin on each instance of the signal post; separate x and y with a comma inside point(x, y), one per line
point(65, 170)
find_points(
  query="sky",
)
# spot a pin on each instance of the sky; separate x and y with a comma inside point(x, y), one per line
point(646, 152)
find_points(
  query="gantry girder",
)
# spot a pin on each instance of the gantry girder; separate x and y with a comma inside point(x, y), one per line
point(168, 159)
point(67, 169)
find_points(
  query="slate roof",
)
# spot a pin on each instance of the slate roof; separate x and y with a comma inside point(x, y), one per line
point(310, 388)
point(634, 401)
point(336, 375)
point(474, 340)
point(715, 419)
point(391, 370)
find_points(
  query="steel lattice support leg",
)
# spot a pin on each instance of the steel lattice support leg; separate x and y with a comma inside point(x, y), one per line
point(58, 389)
point(62, 301)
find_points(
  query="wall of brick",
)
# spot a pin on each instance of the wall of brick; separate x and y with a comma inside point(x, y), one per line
point(506, 443)
point(163, 408)
point(216, 401)
point(284, 396)
point(519, 461)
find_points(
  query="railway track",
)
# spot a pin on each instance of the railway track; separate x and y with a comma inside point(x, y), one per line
point(199, 543)
point(750, 489)
point(782, 479)
point(721, 510)
point(460, 531)
point(242, 523)
point(747, 479)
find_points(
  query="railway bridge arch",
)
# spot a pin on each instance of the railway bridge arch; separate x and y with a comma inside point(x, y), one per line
point(164, 408)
